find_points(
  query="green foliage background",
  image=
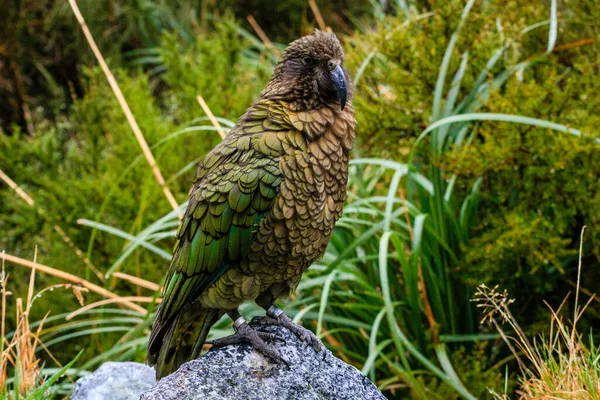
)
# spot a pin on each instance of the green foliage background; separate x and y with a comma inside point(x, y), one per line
point(539, 187)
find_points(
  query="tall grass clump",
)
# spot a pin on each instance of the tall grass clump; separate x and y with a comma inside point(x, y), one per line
point(116, 325)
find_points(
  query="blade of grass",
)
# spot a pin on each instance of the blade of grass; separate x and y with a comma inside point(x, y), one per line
point(324, 298)
point(315, 9)
point(262, 35)
point(398, 336)
point(85, 332)
point(211, 116)
point(40, 392)
point(137, 281)
point(517, 119)
point(450, 101)
point(553, 27)
point(139, 299)
point(125, 235)
point(373, 350)
point(363, 67)
point(442, 354)
point(31, 280)
point(439, 85)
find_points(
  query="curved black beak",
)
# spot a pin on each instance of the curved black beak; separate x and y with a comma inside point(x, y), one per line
point(339, 80)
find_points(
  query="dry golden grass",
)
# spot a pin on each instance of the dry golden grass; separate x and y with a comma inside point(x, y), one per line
point(557, 366)
point(19, 352)
point(76, 280)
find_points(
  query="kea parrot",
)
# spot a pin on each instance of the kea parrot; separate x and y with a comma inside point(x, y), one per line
point(262, 208)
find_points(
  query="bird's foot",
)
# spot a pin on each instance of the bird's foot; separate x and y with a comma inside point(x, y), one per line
point(258, 340)
point(276, 317)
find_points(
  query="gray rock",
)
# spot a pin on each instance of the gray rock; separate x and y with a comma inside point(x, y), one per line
point(115, 381)
point(240, 373)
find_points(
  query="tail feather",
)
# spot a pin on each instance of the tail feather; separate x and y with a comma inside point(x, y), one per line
point(180, 339)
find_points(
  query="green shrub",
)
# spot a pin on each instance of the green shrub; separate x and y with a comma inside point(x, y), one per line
point(220, 67)
point(539, 186)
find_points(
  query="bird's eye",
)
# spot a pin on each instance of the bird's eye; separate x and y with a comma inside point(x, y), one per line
point(308, 61)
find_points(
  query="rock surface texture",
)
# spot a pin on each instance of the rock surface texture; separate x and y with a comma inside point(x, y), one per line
point(236, 372)
point(240, 373)
point(115, 381)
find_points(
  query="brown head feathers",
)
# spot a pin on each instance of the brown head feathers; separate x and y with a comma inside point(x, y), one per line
point(310, 74)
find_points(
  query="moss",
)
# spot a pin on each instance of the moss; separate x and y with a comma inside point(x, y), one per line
point(394, 95)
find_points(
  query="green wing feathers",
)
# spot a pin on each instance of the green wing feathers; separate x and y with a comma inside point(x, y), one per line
point(236, 185)
point(217, 228)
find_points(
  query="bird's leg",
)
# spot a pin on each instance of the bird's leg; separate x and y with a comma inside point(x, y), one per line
point(245, 334)
point(275, 316)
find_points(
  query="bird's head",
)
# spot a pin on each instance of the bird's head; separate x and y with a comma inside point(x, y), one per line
point(310, 74)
